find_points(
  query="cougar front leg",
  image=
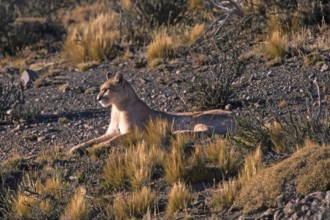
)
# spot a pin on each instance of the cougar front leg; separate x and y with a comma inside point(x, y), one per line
point(90, 143)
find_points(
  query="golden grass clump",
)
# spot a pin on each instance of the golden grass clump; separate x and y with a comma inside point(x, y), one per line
point(303, 168)
point(22, 204)
point(162, 46)
point(191, 35)
point(92, 40)
point(174, 162)
point(140, 162)
point(275, 45)
point(134, 166)
point(24, 201)
point(78, 207)
point(276, 136)
point(227, 192)
point(223, 154)
point(156, 132)
point(195, 4)
point(114, 170)
point(179, 197)
point(135, 205)
point(252, 166)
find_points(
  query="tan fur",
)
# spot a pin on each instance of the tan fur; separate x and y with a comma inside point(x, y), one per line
point(129, 111)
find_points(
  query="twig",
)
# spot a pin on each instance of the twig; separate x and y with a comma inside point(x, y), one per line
point(221, 20)
point(318, 99)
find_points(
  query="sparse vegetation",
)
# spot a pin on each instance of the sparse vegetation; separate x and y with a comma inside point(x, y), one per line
point(94, 40)
point(13, 106)
point(179, 197)
point(275, 45)
point(134, 205)
point(78, 207)
point(161, 47)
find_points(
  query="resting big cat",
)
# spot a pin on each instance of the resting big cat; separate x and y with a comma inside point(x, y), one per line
point(129, 111)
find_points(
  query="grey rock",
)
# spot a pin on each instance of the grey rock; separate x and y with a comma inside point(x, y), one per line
point(28, 77)
point(324, 67)
point(229, 107)
point(327, 198)
point(42, 138)
point(317, 195)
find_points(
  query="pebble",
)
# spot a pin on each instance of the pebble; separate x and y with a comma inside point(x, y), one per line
point(42, 138)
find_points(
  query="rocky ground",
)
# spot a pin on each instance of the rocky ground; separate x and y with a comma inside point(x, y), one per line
point(70, 113)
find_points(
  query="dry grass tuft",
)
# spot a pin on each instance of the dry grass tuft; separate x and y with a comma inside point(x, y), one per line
point(162, 46)
point(78, 207)
point(275, 45)
point(135, 205)
point(191, 35)
point(174, 163)
point(179, 197)
point(114, 170)
point(31, 192)
point(156, 132)
point(303, 168)
point(22, 204)
point(277, 137)
point(140, 162)
point(223, 154)
point(93, 40)
point(252, 166)
point(134, 166)
point(195, 4)
point(54, 187)
point(227, 192)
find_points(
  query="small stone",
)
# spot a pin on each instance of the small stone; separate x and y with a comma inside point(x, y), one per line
point(317, 195)
point(289, 208)
point(324, 67)
point(64, 88)
point(30, 137)
point(42, 138)
point(268, 213)
point(28, 77)
point(245, 218)
point(296, 215)
point(8, 112)
point(304, 208)
point(91, 90)
point(270, 74)
point(17, 128)
point(229, 107)
point(63, 120)
point(327, 198)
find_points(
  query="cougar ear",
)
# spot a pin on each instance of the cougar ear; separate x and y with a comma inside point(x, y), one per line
point(109, 74)
point(119, 77)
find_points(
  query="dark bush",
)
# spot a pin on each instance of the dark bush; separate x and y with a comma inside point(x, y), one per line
point(216, 87)
point(12, 104)
point(147, 15)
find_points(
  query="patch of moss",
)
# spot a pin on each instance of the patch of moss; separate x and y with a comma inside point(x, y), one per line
point(307, 169)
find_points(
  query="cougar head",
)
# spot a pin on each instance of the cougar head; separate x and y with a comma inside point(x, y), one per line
point(112, 90)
